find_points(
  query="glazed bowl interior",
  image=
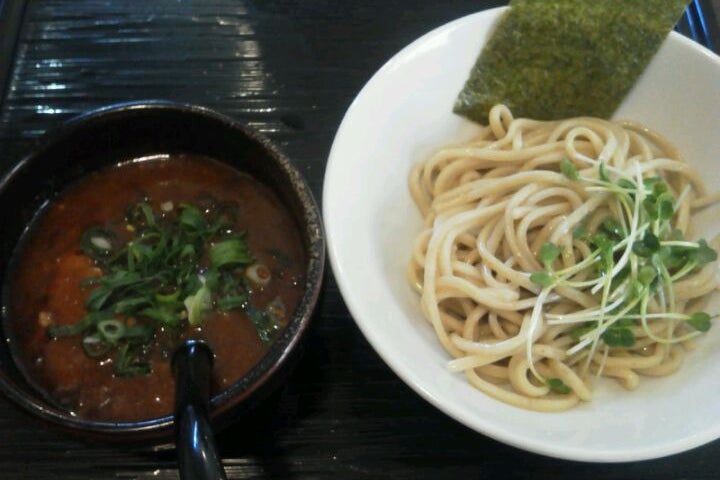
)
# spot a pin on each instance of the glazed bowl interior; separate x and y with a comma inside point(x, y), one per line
point(131, 131)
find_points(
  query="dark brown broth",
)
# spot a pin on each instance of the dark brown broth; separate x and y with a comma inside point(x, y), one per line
point(51, 266)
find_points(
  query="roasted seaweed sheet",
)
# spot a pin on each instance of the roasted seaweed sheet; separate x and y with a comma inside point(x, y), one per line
point(552, 59)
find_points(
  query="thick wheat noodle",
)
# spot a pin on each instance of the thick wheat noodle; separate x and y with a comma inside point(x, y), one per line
point(489, 206)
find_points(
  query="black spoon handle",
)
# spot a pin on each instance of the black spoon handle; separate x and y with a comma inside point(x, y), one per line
point(196, 450)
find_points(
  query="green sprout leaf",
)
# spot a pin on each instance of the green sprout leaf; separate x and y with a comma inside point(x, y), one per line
point(627, 322)
point(558, 386)
point(703, 254)
point(620, 277)
point(649, 182)
point(542, 278)
point(601, 241)
point(646, 275)
point(651, 242)
point(613, 228)
point(676, 235)
point(659, 204)
point(626, 184)
point(700, 321)
point(578, 332)
point(677, 258)
point(568, 169)
point(651, 208)
point(665, 206)
point(603, 173)
point(659, 187)
point(647, 246)
point(618, 337)
point(604, 245)
point(548, 253)
point(580, 232)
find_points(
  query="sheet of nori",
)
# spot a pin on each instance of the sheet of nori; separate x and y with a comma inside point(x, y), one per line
point(552, 59)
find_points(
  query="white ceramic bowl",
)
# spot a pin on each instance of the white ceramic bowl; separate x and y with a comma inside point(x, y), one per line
point(401, 116)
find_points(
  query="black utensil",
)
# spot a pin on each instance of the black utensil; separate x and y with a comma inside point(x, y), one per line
point(196, 450)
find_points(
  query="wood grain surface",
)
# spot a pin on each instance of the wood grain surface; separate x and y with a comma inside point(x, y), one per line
point(289, 68)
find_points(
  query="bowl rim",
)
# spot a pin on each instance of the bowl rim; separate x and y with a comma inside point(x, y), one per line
point(312, 232)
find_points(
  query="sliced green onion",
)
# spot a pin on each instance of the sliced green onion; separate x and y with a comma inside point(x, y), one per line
point(76, 328)
point(140, 215)
point(129, 362)
point(95, 347)
point(190, 217)
point(259, 274)
point(138, 332)
point(226, 215)
point(130, 305)
point(265, 325)
point(111, 330)
point(167, 317)
point(197, 304)
point(231, 302)
point(233, 251)
point(99, 243)
point(168, 299)
point(154, 279)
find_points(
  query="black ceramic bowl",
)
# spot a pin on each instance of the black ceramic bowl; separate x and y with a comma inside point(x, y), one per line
point(101, 138)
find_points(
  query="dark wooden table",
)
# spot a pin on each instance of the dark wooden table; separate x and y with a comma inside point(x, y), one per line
point(289, 68)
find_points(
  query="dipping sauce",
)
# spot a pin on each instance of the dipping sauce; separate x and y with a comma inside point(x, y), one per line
point(130, 261)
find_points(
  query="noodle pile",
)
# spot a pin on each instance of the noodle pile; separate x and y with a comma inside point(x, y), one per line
point(536, 265)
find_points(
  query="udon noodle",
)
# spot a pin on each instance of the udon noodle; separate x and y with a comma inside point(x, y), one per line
point(536, 266)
